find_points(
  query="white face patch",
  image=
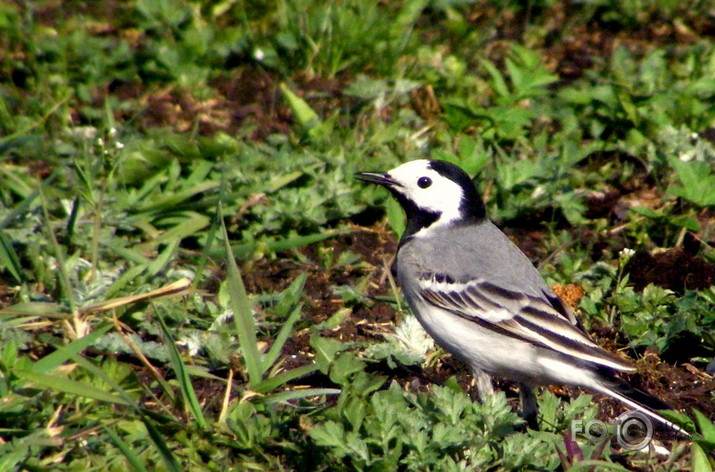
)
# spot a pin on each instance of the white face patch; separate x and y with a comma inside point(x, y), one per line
point(429, 190)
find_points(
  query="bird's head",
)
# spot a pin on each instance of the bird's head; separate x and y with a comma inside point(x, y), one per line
point(431, 192)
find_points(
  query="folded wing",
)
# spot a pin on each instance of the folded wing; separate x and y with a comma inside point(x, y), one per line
point(538, 320)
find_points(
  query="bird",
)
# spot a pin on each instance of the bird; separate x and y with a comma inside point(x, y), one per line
point(479, 296)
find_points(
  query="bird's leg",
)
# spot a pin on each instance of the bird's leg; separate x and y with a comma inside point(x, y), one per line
point(529, 407)
point(484, 384)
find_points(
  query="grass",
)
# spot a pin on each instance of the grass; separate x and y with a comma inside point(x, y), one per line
point(192, 279)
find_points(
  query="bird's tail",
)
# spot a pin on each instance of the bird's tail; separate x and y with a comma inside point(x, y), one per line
point(641, 401)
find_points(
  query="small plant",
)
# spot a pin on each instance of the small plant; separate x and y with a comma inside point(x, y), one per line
point(697, 182)
point(703, 444)
point(408, 345)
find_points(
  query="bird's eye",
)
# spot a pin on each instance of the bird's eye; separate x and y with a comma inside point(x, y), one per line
point(424, 182)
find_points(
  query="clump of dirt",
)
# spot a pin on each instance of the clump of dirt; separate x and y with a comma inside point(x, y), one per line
point(601, 204)
point(251, 94)
point(674, 269)
point(570, 293)
point(683, 386)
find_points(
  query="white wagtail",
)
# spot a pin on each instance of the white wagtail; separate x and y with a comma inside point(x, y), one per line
point(482, 300)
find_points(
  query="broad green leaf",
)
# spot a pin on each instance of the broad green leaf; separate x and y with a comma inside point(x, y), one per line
point(705, 427)
point(699, 459)
point(396, 217)
point(697, 182)
point(326, 350)
point(304, 115)
point(498, 82)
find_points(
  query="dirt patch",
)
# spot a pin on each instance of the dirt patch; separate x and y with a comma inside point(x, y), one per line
point(683, 386)
point(673, 269)
point(244, 98)
point(253, 97)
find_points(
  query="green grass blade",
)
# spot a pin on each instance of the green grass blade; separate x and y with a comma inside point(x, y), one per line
point(132, 458)
point(9, 259)
point(244, 251)
point(156, 438)
point(194, 223)
point(15, 322)
point(177, 364)
point(130, 255)
point(164, 258)
point(166, 455)
point(23, 207)
point(64, 278)
point(129, 275)
point(242, 316)
point(275, 351)
point(283, 397)
point(280, 181)
point(277, 380)
point(204, 257)
point(71, 387)
point(99, 373)
point(39, 309)
point(64, 353)
point(213, 229)
point(170, 202)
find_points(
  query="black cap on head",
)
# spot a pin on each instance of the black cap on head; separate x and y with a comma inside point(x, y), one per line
point(472, 206)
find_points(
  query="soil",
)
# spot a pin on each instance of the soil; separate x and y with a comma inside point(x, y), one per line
point(674, 269)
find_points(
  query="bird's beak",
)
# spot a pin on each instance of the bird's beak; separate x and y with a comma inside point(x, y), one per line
point(377, 178)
